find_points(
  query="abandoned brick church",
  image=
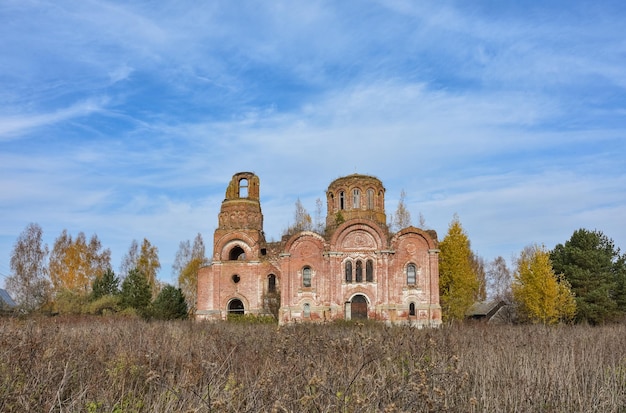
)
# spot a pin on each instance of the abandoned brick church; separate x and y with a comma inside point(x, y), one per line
point(356, 269)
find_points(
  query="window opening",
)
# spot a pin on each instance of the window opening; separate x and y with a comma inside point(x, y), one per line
point(243, 188)
point(359, 271)
point(348, 271)
point(410, 274)
point(412, 309)
point(356, 198)
point(271, 283)
point(369, 271)
point(306, 276)
point(306, 311)
point(237, 254)
point(342, 198)
point(370, 199)
point(236, 278)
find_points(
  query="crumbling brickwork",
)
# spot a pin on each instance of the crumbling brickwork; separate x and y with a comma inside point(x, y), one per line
point(356, 269)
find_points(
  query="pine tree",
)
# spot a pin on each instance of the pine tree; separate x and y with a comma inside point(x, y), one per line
point(170, 304)
point(594, 267)
point(106, 284)
point(135, 292)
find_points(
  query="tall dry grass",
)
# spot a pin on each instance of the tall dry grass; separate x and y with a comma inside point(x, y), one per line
point(109, 365)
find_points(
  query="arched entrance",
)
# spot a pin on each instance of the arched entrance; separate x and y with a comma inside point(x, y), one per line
point(235, 307)
point(358, 308)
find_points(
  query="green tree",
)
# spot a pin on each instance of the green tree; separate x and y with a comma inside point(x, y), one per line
point(105, 284)
point(458, 283)
point(135, 292)
point(146, 260)
point(170, 304)
point(28, 283)
point(595, 269)
point(186, 265)
point(541, 295)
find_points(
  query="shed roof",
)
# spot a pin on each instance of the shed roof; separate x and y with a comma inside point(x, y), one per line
point(5, 299)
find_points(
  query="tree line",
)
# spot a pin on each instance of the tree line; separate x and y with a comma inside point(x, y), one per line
point(76, 276)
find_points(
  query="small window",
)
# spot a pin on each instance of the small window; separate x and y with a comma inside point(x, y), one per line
point(348, 271)
point(369, 271)
point(412, 309)
point(359, 271)
point(342, 200)
point(306, 276)
point(306, 310)
point(356, 198)
point(370, 199)
point(236, 278)
point(243, 188)
point(410, 274)
point(271, 283)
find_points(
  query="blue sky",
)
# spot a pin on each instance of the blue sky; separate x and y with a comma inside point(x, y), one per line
point(127, 119)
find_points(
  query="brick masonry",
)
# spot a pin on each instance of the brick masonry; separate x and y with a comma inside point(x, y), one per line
point(357, 269)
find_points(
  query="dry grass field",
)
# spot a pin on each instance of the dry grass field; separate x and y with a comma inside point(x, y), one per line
point(121, 365)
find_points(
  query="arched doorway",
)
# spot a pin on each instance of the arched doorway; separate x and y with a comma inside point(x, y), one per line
point(358, 308)
point(235, 307)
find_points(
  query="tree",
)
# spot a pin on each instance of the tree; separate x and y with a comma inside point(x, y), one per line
point(146, 260)
point(478, 266)
point(129, 262)
point(135, 292)
point(75, 264)
point(105, 284)
point(458, 283)
point(148, 263)
point(402, 217)
point(186, 265)
point(320, 225)
point(499, 280)
point(594, 268)
point(541, 295)
point(28, 282)
point(170, 304)
point(303, 221)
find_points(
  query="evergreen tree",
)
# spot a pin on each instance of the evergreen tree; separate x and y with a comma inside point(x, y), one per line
point(541, 295)
point(106, 284)
point(458, 283)
point(136, 292)
point(595, 269)
point(170, 304)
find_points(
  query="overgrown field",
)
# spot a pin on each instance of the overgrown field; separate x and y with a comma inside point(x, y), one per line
point(113, 365)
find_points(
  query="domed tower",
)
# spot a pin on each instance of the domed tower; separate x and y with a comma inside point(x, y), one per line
point(355, 196)
point(240, 214)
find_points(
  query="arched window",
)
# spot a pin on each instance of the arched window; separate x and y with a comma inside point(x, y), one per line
point(243, 188)
point(356, 198)
point(235, 307)
point(306, 276)
point(359, 271)
point(348, 271)
point(237, 254)
point(369, 271)
point(412, 309)
point(342, 200)
point(306, 310)
point(411, 274)
point(370, 199)
point(271, 283)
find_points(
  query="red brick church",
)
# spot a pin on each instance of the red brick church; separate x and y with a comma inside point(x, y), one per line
point(356, 269)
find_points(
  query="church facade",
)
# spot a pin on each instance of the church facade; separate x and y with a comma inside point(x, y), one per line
point(356, 269)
